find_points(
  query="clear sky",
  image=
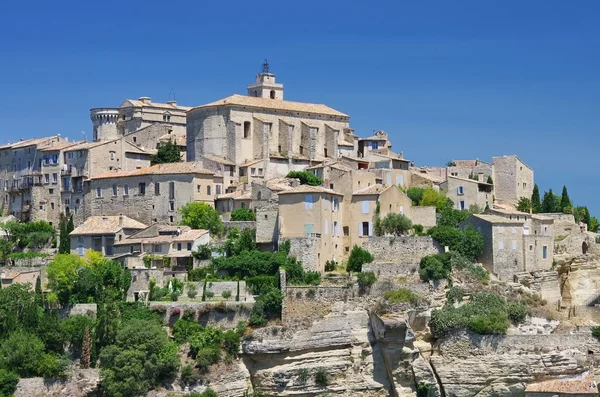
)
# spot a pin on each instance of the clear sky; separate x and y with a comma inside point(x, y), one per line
point(447, 79)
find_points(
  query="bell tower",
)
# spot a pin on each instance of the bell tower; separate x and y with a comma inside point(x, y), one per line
point(265, 86)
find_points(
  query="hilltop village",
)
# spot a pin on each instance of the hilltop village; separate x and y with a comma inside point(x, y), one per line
point(255, 246)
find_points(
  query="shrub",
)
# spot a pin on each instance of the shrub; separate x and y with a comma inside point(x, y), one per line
point(199, 215)
point(206, 393)
point(188, 375)
point(321, 377)
point(451, 217)
point(358, 257)
point(517, 312)
point(596, 332)
point(468, 242)
point(329, 266)
point(415, 194)
point(303, 375)
point(242, 214)
point(366, 279)
point(226, 294)
point(198, 274)
point(306, 178)
point(8, 382)
point(209, 294)
point(259, 284)
point(192, 291)
point(203, 253)
point(495, 322)
point(207, 356)
point(418, 229)
point(433, 268)
point(184, 330)
point(454, 294)
point(397, 224)
point(423, 389)
point(401, 295)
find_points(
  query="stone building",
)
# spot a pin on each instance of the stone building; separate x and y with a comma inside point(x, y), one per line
point(311, 216)
point(467, 169)
point(100, 233)
point(152, 194)
point(20, 277)
point(514, 242)
point(165, 246)
point(285, 135)
point(465, 192)
point(513, 179)
point(134, 115)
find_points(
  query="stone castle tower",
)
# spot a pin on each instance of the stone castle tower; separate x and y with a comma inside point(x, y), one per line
point(104, 121)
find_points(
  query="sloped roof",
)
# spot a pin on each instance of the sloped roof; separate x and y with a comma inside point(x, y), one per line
point(217, 159)
point(497, 219)
point(370, 190)
point(307, 189)
point(274, 104)
point(58, 146)
point(158, 169)
point(34, 141)
point(167, 106)
point(177, 139)
point(151, 235)
point(106, 225)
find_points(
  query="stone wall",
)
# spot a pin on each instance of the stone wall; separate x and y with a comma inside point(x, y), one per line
point(391, 270)
point(405, 250)
point(267, 223)
point(242, 225)
point(424, 216)
point(305, 250)
point(225, 315)
point(84, 382)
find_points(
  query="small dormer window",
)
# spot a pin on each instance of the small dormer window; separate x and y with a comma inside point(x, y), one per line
point(167, 117)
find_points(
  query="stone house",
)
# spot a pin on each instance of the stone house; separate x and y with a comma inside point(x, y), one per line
point(133, 115)
point(468, 169)
point(465, 192)
point(223, 167)
point(514, 242)
point(513, 179)
point(100, 233)
point(262, 126)
point(228, 202)
point(20, 277)
point(375, 143)
point(152, 194)
point(165, 245)
point(312, 215)
point(391, 169)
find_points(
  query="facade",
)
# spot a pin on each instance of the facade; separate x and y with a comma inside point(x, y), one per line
point(514, 242)
point(159, 242)
point(134, 115)
point(152, 194)
point(20, 277)
point(100, 233)
point(285, 135)
point(314, 213)
point(467, 169)
point(465, 193)
point(513, 179)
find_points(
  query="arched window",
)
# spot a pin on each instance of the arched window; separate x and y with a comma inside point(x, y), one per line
point(272, 94)
point(255, 93)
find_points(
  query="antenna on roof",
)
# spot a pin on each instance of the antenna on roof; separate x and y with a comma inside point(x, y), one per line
point(265, 68)
point(172, 93)
point(84, 135)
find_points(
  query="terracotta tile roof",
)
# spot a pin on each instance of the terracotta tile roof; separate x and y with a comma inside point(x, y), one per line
point(106, 225)
point(138, 103)
point(275, 104)
point(158, 169)
point(217, 159)
point(370, 190)
point(578, 384)
point(34, 141)
point(186, 235)
point(307, 189)
point(58, 146)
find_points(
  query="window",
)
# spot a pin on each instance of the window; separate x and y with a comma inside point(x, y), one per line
point(115, 190)
point(335, 204)
point(157, 188)
point(171, 219)
point(98, 192)
point(346, 231)
point(252, 171)
point(514, 244)
point(54, 177)
point(530, 247)
point(142, 188)
point(208, 190)
point(47, 178)
point(189, 246)
point(172, 206)
point(134, 138)
point(308, 229)
point(67, 202)
point(272, 94)
point(52, 205)
point(461, 205)
point(326, 227)
point(325, 152)
point(178, 246)
point(500, 229)
point(364, 229)
point(326, 202)
point(246, 129)
point(112, 155)
point(301, 149)
point(545, 230)
point(336, 229)
point(460, 190)
point(171, 190)
point(198, 188)
point(218, 191)
point(308, 202)
point(50, 191)
point(166, 117)
point(126, 190)
point(500, 245)
point(524, 185)
point(365, 207)
point(157, 248)
point(331, 186)
point(260, 171)
point(545, 252)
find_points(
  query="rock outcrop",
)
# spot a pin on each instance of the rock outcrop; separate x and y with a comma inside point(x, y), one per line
point(82, 383)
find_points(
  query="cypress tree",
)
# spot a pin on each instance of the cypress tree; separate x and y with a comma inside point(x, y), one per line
point(63, 237)
point(490, 180)
point(167, 153)
point(565, 201)
point(536, 203)
point(39, 296)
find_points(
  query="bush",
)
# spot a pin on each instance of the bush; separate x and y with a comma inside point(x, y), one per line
point(397, 224)
point(188, 375)
point(321, 377)
point(358, 257)
point(242, 215)
point(495, 322)
point(303, 375)
point(596, 332)
point(418, 229)
point(206, 393)
point(203, 252)
point(433, 268)
point(401, 295)
point(366, 279)
point(454, 295)
point(468, 242)
point(209, 294)
point(451, 217)
point(415, 194)
point(184, 330)
point(306, 178)
point(423, 389)
point(8, 382)
point(226, 294)
point(330, 266)
point(192, 291)
point(207, 356)
point(198, 274)
point(260, 284)
point(199, 215)
point(517, 312)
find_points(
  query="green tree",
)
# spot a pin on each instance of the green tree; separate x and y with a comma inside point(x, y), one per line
point(490, 180)
point(536, 203)
point(18, 309)
point(64, 242)
point(243, 214)
point(167, 153)
point(565, 201)
point(452, 217)
point(8, 382)
point(201, 216)
point(74, 328)
point(434, 198)
point(305, 177)
point(141, 358)
point(24, 353)
point(358, 257)
point(62, 275)
point(397, 224)
point(550, 202)
point(415, 194)
point(525, 205)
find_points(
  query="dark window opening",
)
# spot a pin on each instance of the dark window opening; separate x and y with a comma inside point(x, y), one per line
point(246, 129)
point(272, 94)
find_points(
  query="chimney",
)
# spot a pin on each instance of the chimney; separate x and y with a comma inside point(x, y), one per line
point(145, 100)
point(172, 103)
point(178, 231)
point(121, 220)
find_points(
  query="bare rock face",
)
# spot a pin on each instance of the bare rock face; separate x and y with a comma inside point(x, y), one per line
point(81, 383)
point(336, 355)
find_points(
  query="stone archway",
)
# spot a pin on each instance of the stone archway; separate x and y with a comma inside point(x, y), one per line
point(584, 247)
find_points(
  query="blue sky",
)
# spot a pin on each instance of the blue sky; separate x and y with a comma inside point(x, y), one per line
point(447, 80)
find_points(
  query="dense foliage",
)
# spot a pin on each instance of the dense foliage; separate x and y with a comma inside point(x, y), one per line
point(243, 214)
point(396, 224)
point(429, 197)
point(66, 226)
point(305, 177)
point(34, 235)
point(401, 295)
point(358, 257)
point(167, 153)
point(201, 216)
point(451, 217)
point(467, 242)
